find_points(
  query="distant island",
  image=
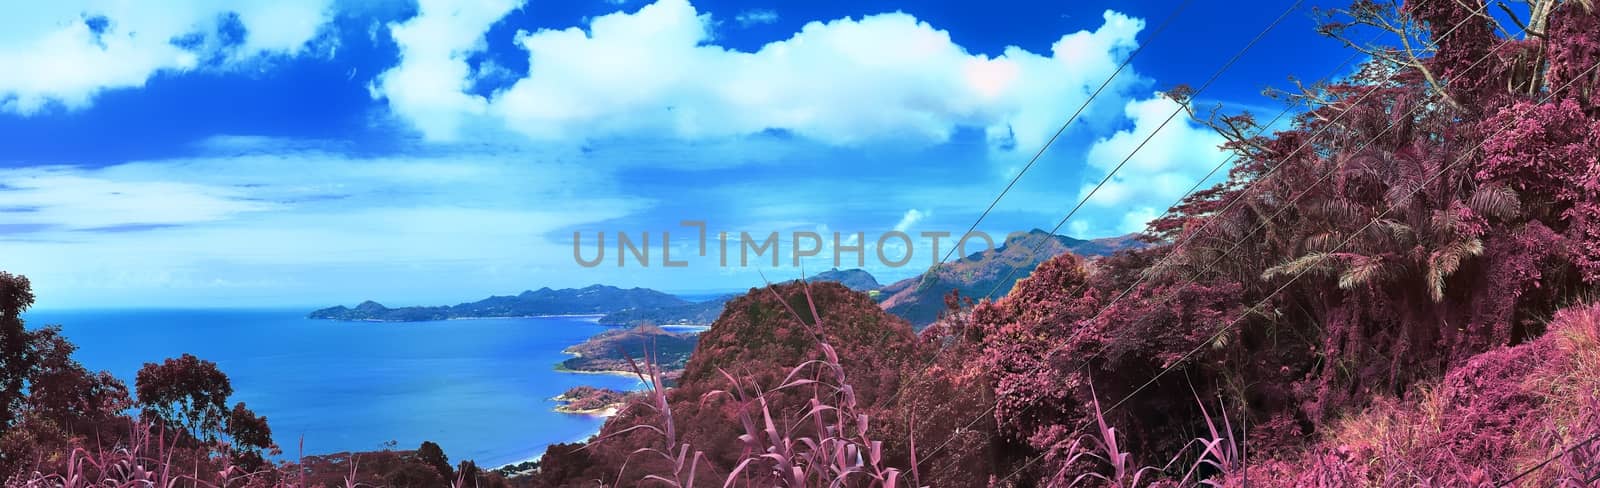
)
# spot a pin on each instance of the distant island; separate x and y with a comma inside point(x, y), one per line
point(589, 300)
point(616, 306)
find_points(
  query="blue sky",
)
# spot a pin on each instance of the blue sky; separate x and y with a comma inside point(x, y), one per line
point(309, 152)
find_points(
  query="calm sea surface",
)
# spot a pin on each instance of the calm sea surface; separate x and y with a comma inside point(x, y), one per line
point(479, 388)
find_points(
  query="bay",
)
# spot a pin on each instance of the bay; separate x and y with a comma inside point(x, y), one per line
point(479, 388)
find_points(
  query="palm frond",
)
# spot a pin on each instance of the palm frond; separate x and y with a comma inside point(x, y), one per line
point(1362, 270)
point(1338, 210)
point(1313, 262)
point(1320, 242)
point(1499, 201)
point(1399, 232)
point(1444, 262)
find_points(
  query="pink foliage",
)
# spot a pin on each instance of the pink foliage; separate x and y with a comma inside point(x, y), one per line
point(1495, 417)
point(1577, 27)
point(1551, 154)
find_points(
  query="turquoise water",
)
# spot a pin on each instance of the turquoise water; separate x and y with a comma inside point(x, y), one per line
point(479, 388)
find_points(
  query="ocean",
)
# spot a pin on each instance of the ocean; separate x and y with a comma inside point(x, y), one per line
point(479, 388)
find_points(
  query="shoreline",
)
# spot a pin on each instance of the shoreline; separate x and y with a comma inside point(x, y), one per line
point(536, 458)
point(602, 412)
point(595, 316)
point(609, 410)
point(562, 368)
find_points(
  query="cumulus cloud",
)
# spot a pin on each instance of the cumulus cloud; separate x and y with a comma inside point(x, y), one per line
point(656, 72)
point(66, 52)
point(429, 86)
point(1180, 154)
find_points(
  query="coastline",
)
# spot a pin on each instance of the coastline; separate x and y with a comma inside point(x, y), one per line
point(595, 316)
point(564, 369)
point(535, 458)
point(603, 412)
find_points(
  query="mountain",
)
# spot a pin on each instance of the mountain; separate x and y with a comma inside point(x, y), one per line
point(707, 311)
point(855, 279)
point(920, 299)
point(594, 299)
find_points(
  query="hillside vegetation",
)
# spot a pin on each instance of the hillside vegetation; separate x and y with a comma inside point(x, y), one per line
point(1366, 301)
point(1398, 289)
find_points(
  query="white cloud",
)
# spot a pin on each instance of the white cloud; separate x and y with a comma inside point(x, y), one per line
point(911, 218)
point(1153, 179)
point(429, 85)
point(1078, 228)
point(67, 52)
point(656, 73)
point(756, 16)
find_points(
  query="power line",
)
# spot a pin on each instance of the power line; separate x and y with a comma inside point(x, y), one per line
point(1145, 275)
point(1148, 138)
point(1125, 62)
point(1307, 269)
point(1209, 81)
point(1214, 76)
point(1214, 169)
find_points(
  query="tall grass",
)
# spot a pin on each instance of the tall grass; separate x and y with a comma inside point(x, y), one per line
point(830, 442)
point(150, 458)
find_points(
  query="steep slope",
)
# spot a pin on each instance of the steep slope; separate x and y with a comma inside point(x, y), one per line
point(1495, 416)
